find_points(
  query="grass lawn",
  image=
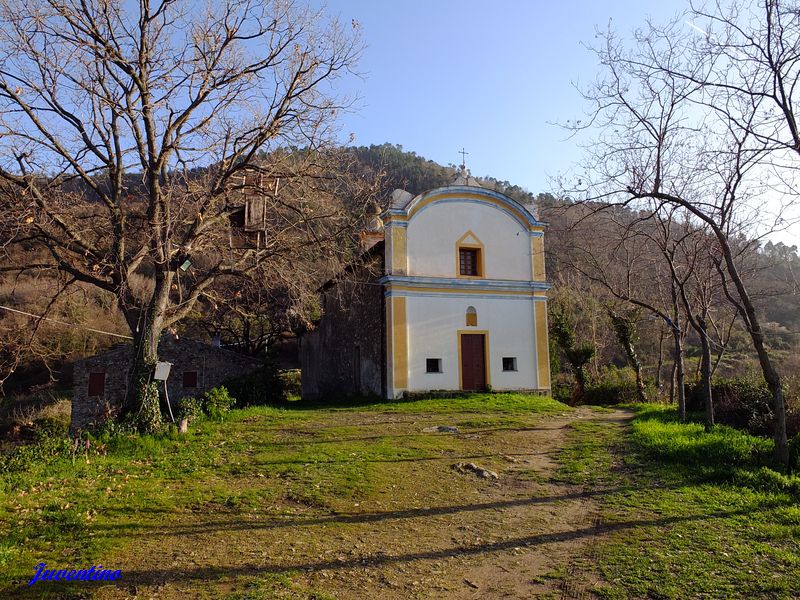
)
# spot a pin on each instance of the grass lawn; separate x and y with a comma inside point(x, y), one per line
point(362, 501)
point(260, 462)
point(689, 514)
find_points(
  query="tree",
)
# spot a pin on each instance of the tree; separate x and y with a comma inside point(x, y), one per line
point(624, 325)
point(632, 259)
point(133, 133)
point(708, 124)
point(577, 354)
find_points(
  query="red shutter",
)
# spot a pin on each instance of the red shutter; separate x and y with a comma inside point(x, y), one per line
point(190, 379)
point(97, 384)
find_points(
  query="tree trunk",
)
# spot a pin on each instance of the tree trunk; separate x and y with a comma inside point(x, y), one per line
point(633, 358)
point(672, 374)
point(660, 363)
point(705, 373)
point(681, 392)
point(771, 376)
point(141, 403)
point(640, 388)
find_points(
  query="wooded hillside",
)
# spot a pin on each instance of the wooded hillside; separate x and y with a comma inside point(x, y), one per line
point(40, 351)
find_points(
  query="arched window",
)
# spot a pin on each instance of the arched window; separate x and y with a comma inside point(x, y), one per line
point(472, 317)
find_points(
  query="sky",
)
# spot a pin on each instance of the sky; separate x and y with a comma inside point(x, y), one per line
point(493, 77)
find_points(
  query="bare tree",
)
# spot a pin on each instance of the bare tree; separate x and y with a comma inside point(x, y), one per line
point(706, 123)
point(629, 257)
point(135, 135)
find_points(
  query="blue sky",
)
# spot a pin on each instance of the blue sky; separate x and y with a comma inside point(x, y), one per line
point(492, 77)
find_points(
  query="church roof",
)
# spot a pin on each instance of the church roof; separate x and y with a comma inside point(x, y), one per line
point(404, 206)
point(465, 179)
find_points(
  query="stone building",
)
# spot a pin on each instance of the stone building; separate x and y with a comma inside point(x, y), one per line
point(449, 294)
point(101, 382)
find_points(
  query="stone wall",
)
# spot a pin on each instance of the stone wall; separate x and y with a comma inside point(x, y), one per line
point(213, 366)
point(345, 354)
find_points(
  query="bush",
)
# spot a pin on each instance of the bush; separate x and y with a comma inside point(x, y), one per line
point(290, 383)
point(50, 441)
point(49, 427)
point(561, 387)
point(745, 403)
point(267, 385)
point(217, 401)
point(252, 389)
point(190, 408)
point(614, 386)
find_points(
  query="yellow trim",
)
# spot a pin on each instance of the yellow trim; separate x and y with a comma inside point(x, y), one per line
point(481, 197)
point(400, 341)
point(537, 258)
point(476, 245)
point(486, 365)
point(471, 319)
point(542, 345)
point(389, 348)
point(399, 250)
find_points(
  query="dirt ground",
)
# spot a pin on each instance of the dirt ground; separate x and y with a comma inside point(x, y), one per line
point(435, 532)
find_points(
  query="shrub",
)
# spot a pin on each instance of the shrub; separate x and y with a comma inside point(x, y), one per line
point(561, 388)
point(267, 385)
point(217, 401)
point(745, 403)
point(190, 408)
point(50, 441)
point(105, 431)
point(252, 389)
point(49, 427)
point(290, 383)
point(614, 386)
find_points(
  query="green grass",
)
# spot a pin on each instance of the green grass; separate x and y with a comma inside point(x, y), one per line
point(690, 514)
point(477, 403)
point(84, 509)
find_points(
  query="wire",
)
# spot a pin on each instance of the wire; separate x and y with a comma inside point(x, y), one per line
point(22, 312)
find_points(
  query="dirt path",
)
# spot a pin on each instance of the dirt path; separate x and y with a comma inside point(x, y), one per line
point(433, 533)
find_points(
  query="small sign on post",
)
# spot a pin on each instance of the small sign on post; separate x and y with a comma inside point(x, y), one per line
point(161, 374)
point(162, 371)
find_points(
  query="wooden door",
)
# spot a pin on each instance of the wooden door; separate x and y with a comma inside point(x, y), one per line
point(473, 361)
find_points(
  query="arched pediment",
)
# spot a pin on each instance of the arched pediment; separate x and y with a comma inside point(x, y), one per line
point(470, 194)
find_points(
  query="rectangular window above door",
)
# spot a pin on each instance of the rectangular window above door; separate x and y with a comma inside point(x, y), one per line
point(469, 261)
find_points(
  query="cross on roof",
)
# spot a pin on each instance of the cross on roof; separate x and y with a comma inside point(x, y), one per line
point(463, 154)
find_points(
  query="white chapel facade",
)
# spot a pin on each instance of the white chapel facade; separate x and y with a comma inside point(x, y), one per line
point(462, 292)
point(466, 292)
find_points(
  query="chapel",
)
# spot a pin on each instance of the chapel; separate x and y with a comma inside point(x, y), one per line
point(448, 294)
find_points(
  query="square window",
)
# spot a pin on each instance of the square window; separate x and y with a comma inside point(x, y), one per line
point(509, 363)
point(190, 379)
point(468, 260)
point(97, 384)
point(433, 365)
